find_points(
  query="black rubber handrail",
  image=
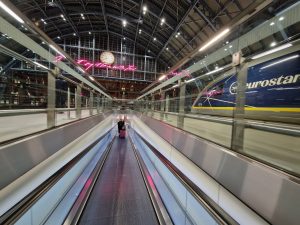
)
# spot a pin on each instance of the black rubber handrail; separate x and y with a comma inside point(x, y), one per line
point(13, 214)
point(77, 209)
point(158, 205)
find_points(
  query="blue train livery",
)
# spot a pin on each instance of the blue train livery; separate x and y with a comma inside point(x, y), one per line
point(273, 85)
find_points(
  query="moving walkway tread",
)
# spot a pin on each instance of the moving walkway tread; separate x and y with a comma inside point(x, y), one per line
point(119, 195)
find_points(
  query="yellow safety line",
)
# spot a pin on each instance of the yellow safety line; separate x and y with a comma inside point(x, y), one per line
point(252, 108)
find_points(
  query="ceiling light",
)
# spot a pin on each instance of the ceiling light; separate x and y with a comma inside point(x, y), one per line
point(58, 37)
point(281, 18)
point(61, 15)
point(213, 40)
point(55, 49)
point(90, 32)
point(83, 18)
point(273, 44)
point(280, 61)
point(230, 46)
point(167, 49)
point(178, 33)
point(82, 70)
point(162, 77)
point(225, 49)
point(154, 39)
point(272, 51)
point(190, 80)
point(81, 15)
point(124, 38)
point(64, 19)
point(272, 23)
point(148, 50)
point(42, 20)
point(45, 22)
point(8, 10)
point(227, 42)
point(124, 22)
point(145, 8)
point(74, 34)
point(40, 65)
point(43, 42)
point(92, 78)
point(214, 71)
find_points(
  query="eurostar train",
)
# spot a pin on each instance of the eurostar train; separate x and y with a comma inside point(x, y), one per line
point(272, 89)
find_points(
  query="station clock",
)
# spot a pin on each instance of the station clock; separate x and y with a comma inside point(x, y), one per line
point(107, 58)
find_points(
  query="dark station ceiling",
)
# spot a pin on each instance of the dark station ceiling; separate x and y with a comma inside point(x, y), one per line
point(168, 30)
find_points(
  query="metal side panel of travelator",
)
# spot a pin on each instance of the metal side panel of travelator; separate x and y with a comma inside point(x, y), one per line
point(272, 89)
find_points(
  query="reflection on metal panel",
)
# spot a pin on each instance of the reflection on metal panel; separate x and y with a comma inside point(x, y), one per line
point(272, 194)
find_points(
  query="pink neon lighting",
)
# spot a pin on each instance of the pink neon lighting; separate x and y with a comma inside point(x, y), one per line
point(88, 65)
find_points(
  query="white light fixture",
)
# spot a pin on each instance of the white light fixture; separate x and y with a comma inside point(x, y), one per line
point(61, 15)
point(90, 32)
point(281, 18)
point(272, 24)
point(148, 50)
point(42, 20)
point(83, 18)
point(154, 39)
point(92, 78)
point(124, 38)
point(273, 44)
point(225, 49)
point(230, 46)
point(51, 46)
point(167, 49)
point(272, 51)
point(190, 80)
point(82, 70)
point(64, 19)
point(227, 42)
point(81, 15)
point(145, 8)
point(213, 40)
point(45, 22)
point(74, 34)
point(9, 11)
point(124, 22)
point(214, 71)
point(43, 42)
point(58, 37)
point(40, 65)
point(280, 61)
point(162, 77)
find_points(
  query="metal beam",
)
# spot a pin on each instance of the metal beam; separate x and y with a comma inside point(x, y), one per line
point(178, 26)
point(159, 17)
point(104, 17)
point(62, 8)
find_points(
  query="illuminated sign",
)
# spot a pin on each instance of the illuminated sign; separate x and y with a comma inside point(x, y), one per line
point(88, 65)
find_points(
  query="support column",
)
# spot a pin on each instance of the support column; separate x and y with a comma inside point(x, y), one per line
point(152, 105)
point(238, 128)
point(147, 105)
point(180, 118)
point(91, 103)
point(167, 107)
point(51, 99)
point(103, 104)
point(69, 103)
point(98, 104)
point(78, 101)
point(162, 104)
